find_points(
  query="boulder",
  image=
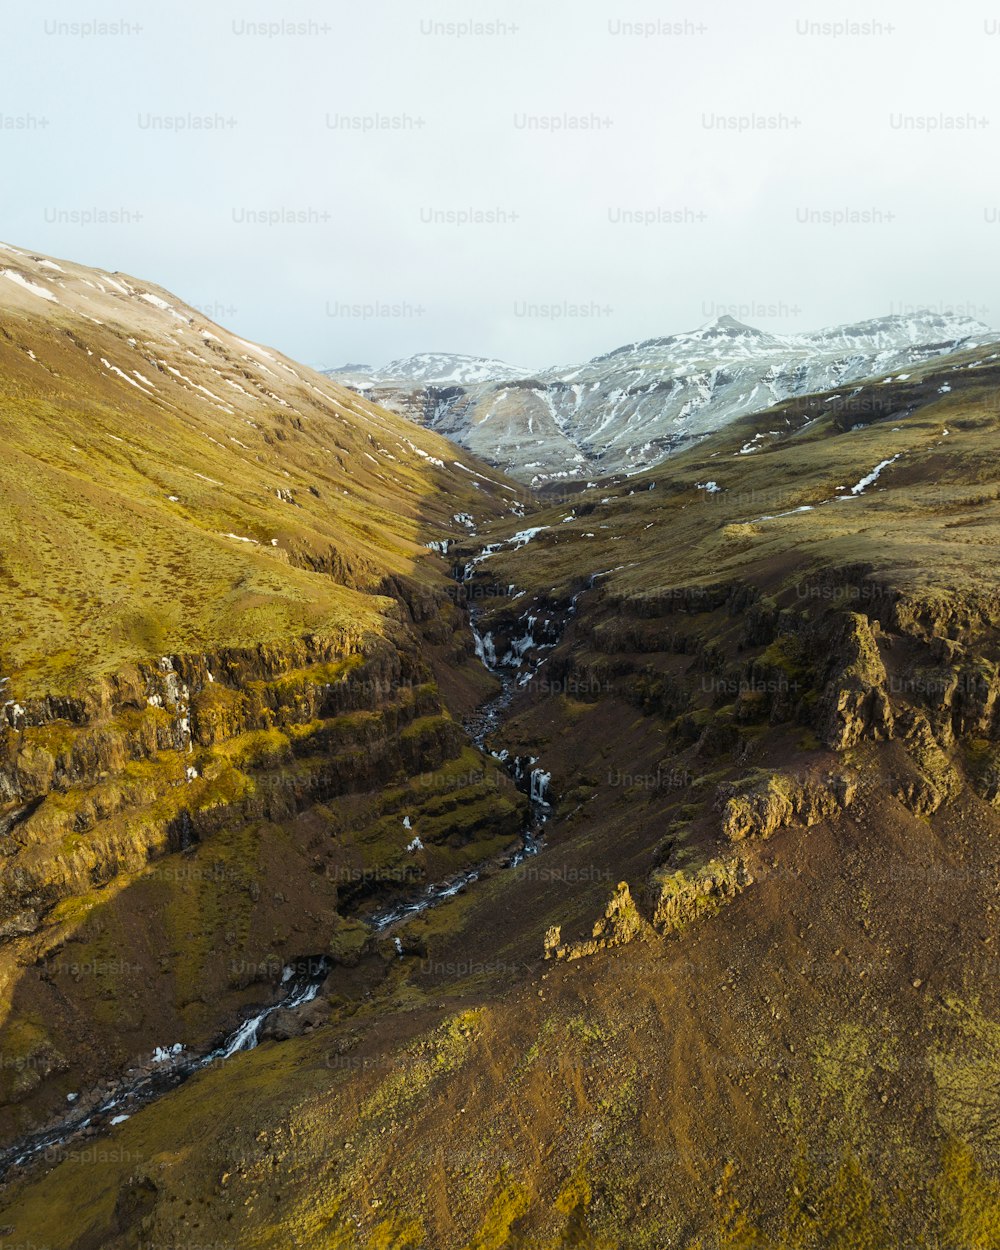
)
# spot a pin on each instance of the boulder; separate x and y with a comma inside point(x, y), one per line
point(294, 1021)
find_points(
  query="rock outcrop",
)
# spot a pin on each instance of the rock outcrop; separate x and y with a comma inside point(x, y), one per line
point(757, 807)
point(855, 704)
point(620, 923)
point(679, 897)
point(933, 780)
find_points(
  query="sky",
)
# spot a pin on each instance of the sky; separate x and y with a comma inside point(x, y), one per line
point(536, 182)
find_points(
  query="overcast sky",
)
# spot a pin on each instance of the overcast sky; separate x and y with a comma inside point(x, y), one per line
point(633, 169)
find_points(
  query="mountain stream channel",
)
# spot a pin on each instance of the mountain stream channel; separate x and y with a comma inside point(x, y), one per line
point(301, 980)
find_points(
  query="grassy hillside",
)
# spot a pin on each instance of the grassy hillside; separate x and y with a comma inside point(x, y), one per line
point(167, 487)
point(221, 634)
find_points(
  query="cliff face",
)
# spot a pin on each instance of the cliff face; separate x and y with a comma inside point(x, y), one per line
point(168, 860)
point(176, 837)
point(178, 741)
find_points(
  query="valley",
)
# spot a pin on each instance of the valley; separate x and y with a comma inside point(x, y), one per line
point(612, 867)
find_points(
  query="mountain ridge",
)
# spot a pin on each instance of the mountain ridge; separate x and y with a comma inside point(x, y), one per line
point(235, 450)
point(634, 406)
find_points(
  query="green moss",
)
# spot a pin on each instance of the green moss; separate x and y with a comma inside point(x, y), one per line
point(74, 909)
point(840, 1210)
point(788, 655)
point(967, 1076)
point(325, 674)
point(508, 1205)
point(26, 1056)
point(203, 899)
point(966, 1200)
point(257, 748)
point(845, 1063)
point(441, 1053)
point(57, 737)
point(424, 726)
point(349, 940)
point(585, 1030)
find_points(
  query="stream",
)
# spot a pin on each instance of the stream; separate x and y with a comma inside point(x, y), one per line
point(483, 722)
point(171, 1067)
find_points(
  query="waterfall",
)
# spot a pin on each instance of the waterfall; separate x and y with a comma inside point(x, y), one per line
point(540, 786)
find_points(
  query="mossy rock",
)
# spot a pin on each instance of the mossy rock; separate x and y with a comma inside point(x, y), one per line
point(348, 942)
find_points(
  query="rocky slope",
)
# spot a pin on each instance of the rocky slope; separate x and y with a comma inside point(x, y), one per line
point(746, 993)
point(633, 407)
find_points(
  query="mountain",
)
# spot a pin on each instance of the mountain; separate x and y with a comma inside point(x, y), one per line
point(350, 368)
point(743, 992)
point(633, 407)
point(231, 458)
point(229, 661)
point(405, 385)
point(443, 369)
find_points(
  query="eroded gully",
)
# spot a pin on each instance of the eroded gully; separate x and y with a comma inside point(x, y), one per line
point(171, 1066)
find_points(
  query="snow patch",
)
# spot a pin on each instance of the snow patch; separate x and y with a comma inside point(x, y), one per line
point(124, 376)
point(163, 1054)
point(34, 287)
point(871, 478)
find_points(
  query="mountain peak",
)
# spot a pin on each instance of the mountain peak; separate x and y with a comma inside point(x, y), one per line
point(726, 324)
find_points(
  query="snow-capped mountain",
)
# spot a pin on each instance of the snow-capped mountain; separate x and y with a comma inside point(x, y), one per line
point(434, 369)
point(634, 406)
